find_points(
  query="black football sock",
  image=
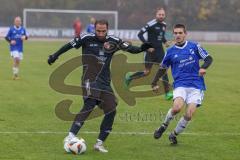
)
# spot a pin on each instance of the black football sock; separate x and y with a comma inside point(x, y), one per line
point(106, 125)
point(83, 115)
point(137, 75)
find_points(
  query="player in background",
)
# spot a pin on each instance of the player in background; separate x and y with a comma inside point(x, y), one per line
point(77, 26)
point(91, 27)
point(15, 36)
point(96, 80)
point(155, 30)
point(183, 58)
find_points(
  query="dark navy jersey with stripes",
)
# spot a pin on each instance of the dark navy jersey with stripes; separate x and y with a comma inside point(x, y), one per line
point(96, 59)
point(155, 33)
point(184, 63)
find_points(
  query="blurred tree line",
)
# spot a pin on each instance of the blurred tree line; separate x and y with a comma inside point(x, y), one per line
point(204, 15)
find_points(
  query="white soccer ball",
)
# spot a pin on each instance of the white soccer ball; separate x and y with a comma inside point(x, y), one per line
point(75, 146)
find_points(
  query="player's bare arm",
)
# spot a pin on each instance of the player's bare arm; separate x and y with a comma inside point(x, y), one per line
point(161, 71)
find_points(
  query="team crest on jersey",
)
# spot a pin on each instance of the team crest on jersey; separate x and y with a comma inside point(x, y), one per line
point(191, 51)
point(163, 28)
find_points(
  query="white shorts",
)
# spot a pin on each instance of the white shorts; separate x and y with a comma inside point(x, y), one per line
point(17, 54)
point(189, 95)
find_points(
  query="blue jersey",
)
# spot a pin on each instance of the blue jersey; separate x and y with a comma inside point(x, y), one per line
point(15, 33)
point(184, 62)
point(90, 28)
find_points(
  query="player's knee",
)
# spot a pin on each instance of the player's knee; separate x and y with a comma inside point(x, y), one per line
point(17, 60)
point(176, 109)
point(146, 72)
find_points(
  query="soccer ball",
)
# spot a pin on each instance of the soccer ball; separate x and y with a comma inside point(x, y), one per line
point(75, 146)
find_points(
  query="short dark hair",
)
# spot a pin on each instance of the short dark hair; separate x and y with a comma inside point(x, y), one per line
point(102, 22)
point(179, 25)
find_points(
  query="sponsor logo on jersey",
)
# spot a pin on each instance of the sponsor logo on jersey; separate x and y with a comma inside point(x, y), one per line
point(93, 45)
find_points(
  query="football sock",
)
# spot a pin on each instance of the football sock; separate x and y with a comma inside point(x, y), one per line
point(71, 135)
point(99, 142)
point(137, 75)
point(89, 104)
point(168, 117)
point(76, 126)
point(106, 125)
point(15, 70)
point(182, 123)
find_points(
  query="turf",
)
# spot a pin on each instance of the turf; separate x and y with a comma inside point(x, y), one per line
point(30, 129)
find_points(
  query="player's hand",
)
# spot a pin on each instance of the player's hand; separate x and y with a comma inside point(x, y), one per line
point(202, 71)
point(13, 42)
point(146, 45)
point(150, 50)
point(52, 59)
point(155, 88)
point(23, 38)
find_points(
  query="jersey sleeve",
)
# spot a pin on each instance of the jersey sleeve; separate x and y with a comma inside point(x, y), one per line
point(9, 33)
point(25, 32)
point(141, 32)
point(202, 53)
point(166, 62)
point(77, 42)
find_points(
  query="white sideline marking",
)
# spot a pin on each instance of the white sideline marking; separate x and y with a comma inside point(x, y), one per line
point(129, 133)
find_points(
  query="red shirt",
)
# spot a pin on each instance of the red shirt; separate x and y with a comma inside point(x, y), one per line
point(77, 25)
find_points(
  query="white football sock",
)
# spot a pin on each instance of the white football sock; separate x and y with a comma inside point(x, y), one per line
point(71, 135)
point(15, 70)
point(182, 123)
point(99, 142)
point(168, 117)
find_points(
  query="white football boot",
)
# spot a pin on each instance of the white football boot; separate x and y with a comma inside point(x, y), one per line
point(99, 146)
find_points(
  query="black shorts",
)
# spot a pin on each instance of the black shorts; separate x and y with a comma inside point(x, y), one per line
point(153, 58)
point(103, 94)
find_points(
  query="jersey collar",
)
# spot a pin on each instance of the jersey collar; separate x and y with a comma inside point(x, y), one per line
point(182, 46)
point(15, 27)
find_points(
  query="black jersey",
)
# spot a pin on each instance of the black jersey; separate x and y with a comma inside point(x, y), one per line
point(155, 33)
point(96, 60)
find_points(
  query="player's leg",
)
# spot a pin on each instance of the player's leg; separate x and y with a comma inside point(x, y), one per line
point(183, 122)
point(108, 105)
point(168, 93)
point(160, 55)
point(136, 75)
point(80, 118)
point(178, 103)
point(17, 57)
point(193, 100)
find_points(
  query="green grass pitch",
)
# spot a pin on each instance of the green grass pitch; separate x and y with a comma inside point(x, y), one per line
point(30, 130)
